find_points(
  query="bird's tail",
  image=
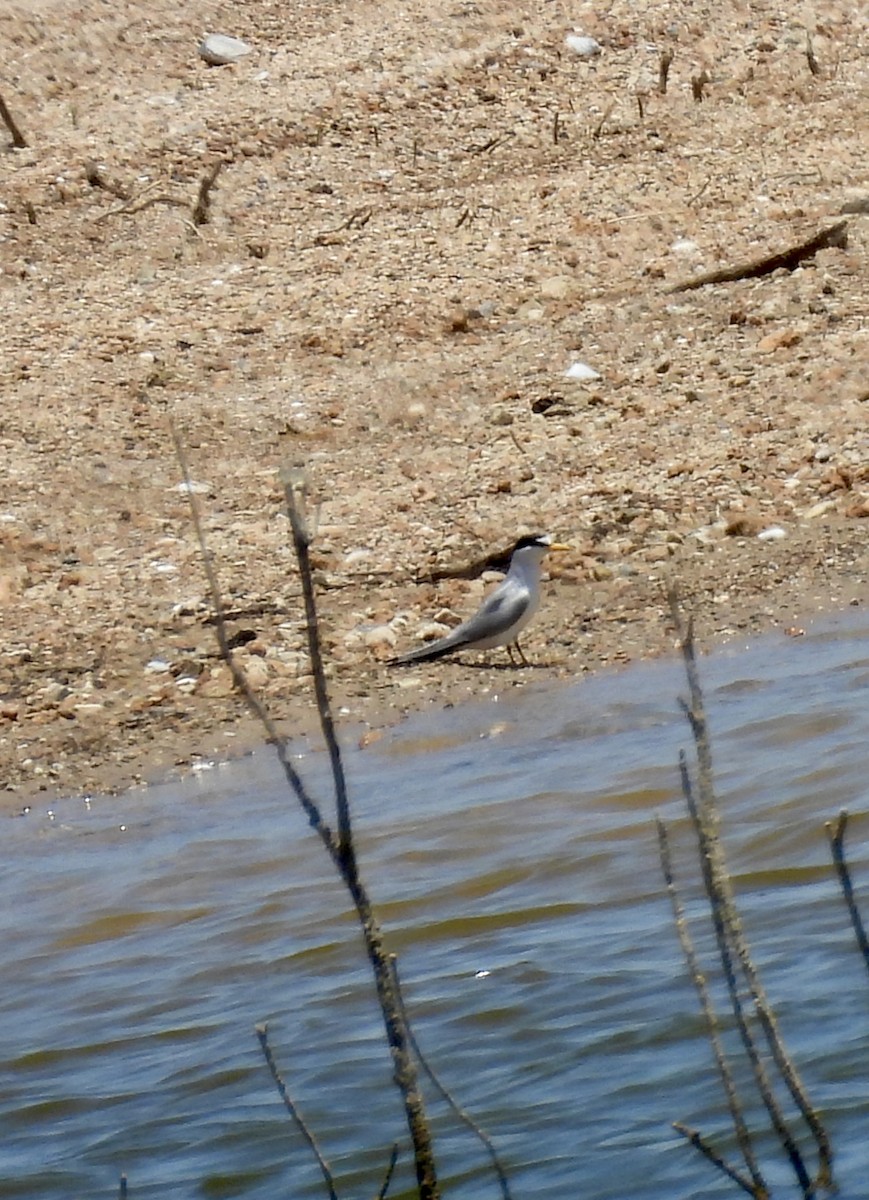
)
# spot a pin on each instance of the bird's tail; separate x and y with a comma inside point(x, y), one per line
point(430, 653)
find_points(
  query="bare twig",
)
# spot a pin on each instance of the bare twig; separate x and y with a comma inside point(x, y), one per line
point(556, 130)
point(262, 1033)
point(698, 83)
point(460, 1112)
point(837, 846)
point(295, 494)
point(664, 64)
point(97, 179)
point(339, 848)
point(18, 139)
point(814, 65)
point(732, 946)
point(239, 678)
point(598, 129)
point(834, 237)
point(202, 207)
point(699, 1143)
point(757, 1185)
point(387, 1178)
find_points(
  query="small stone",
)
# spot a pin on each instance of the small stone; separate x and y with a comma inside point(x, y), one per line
point(780, 340)
point(585, 47)
point(500, 416)
point(773, 533)
point(219, 50)
point(378, 637)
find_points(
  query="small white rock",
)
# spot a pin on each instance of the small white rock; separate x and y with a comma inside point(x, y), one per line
point(685, 246)
point(585, 47)
point(775, 533)
point(581, 370)
point(219, 50)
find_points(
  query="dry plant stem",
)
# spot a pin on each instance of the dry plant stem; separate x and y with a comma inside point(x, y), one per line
point(814, 66)
point(302, 545)
point(262, 1034)
point(460, 1112)
point(664, 70)
point(756, 1186)
point(699, 1143)
point(18, 139)
point(730, 939)
point(837, 846)
point(396, 1032)
point(387, 1178)
point(201, 208)
point(834, 237)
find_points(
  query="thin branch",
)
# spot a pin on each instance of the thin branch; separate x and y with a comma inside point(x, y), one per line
point(295, 494)
point(18, 139)
point(202, 207)
point(834, 237)
point(460, 1112)
point(664, 64)
point(699, 1143)
point(262, 1033)
point(837, 846)
point(340, 850)
point(732, 946)
point(734, 1103)
point(238, 676)
point(390, 1167)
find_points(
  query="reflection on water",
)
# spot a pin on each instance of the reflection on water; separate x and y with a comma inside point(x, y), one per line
point(514, 863)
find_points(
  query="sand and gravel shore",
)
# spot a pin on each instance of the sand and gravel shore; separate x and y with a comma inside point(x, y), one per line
point(424, 217)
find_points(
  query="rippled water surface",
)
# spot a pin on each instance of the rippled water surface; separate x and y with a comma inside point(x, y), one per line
point(511, 851)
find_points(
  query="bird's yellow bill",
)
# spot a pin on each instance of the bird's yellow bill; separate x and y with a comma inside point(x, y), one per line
point(560, 546)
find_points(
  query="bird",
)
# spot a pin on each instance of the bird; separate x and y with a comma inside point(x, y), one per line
point(503, 614)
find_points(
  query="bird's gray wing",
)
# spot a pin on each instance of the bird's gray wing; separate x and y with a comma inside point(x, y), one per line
point(496, 615)
point(498, 612)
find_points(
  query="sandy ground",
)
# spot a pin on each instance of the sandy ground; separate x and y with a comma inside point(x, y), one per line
point(426, 214)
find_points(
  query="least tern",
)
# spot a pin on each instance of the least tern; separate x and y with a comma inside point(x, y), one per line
point(504, 614)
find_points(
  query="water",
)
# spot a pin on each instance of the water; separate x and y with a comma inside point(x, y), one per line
point(511, 851)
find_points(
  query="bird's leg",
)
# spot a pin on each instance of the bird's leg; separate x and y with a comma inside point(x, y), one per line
point(522, 659)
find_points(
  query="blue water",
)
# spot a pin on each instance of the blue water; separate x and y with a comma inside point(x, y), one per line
point(511, 851)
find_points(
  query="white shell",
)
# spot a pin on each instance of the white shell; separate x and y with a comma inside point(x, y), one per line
point(581, 370)
point(218, 50)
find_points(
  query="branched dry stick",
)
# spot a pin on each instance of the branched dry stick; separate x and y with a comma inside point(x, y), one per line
point(732, 946)
point(344, 860)
point(756, 1185)
point(18, 139)
point(460, 1112)
point(202, 207)
point(699, 1143)
point(837, 846)
point(262, 1033)
point(397, 1033)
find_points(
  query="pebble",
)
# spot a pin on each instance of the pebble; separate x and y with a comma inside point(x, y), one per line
point(774, 533)
point(585, 47)
point(219, 50)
